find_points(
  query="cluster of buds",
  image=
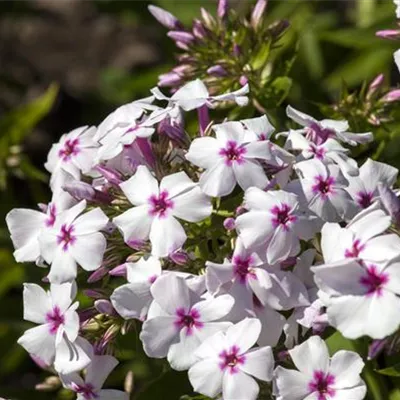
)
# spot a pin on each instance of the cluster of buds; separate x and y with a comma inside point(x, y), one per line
point(228, 51)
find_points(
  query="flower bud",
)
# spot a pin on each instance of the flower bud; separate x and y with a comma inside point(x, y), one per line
point(217, 70)
point(236, 50)
point(169, 79)
point(165, 18)
point(83, 191)
point(129, 382)
point(147, 151)
point(393, 95)
point(375, 85)
point(204, 118)
point(94, 294)
point(97, 275)
point(208, 19)
point(181, 37)
point(104, 306)
point(110, 174)
point(222, 8)
point(179, 257)
point(392, 34)
point(119, 270)
point(199, 30)
point(243, 80)
point(257, 14)
point(229, 224)
point(376, 347)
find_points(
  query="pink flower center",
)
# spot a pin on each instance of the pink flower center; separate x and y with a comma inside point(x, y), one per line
point(322, 384)
point(51, 215)
point(188, 320)
point(323, 186)
point(242, 268)
point(66, 237)
point(231, 359)
point(364, 199)
point(374, 281)
point(233, 153)
point(87, 390)
point(160, 205)
point(317, 134)
point(355, 251)
point(319, 152)
point(282, 216)
point(55, 318)
point(71, 148)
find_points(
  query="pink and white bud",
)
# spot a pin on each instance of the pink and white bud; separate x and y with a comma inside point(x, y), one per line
point(111, 175)
point(165, 18)
point(104, 306)
point(392, 34)
point(376, 347)
point(217, 70)
point(97, 275)
point(258, 12)
point(83, 191)
point(222, 9)
point(199, 30)
point(169, 79)
point(94, 293)
point(375, 85)
point(392, 96)
point(179, 257)
point(181, 37)
point(243, 80)
point(119, 270)
point(208, 19)
point(229, 224)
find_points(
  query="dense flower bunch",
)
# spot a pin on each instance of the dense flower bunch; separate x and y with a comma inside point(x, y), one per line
point(230, 253)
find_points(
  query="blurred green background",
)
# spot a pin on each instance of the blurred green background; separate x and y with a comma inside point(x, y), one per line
point(69, 63)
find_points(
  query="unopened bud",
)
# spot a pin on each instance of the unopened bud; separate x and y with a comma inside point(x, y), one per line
point(179, 257)
point(222, 8)
point(393, 95)
point(165, 18)
point(83, 191)
point(199, 31)
point(217, 70)
point(243, 80)
point(104, 306)
point(129, 382)
point(110, 174)
point(181, 36)
point(229, 224)
point(208, 19)
point(375, 85)
point(119, 270)
point(392, 34)
point(204, 118)
point(257, 14)
point(94, 294)
point(169, 79)
point(376, 347)
point(97, 275)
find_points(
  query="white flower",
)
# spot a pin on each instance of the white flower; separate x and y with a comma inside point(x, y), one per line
point(273, 223)
point(364, 188)
point(319, 377)
point(195, 94)
point(56, 338)
point(74, 153)
point(74, 240)
point(324, 189)
point(319, 131)
point(258, 128)
point(226, 363)
point(90, 388)
point(229, 158)
point(26, 226)
point(133, 299)
point(178, 321)
point(156, 208)
point(361, 299)
point(328, 152)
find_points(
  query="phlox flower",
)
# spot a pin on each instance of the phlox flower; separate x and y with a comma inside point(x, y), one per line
point(74, 154)
point(133, 299)
point(330, 151)
point(361, 299)
point(361, 240)
point(319, 131)
point(74, 239)
point(179, 321)
point(319, 377)
point(228, 159)
point(258, 128)
point(195, 94)
point(56, 338)
point(324, 189)
point(364, 188)
point(156, 208)
point(226, 363)
point(274, 223)
point(90, 388)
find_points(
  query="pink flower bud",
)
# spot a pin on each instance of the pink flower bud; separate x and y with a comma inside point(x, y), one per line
point(179, 257)
point(392, 34)
point(169, 79)
point(146, 149)
point(94, 294)
point(375, 85)
point(257, 13)
point(165, 18)
point(119, 270)
point(240, 210)
point(393, 95)
point(208, 19)
point(236, 50)
point(104, 306)
point(97, 275)
point(199, 30)
point(136, 244)
point(376, 347)
point(222, 8)
point(243, 80)
point(229, 224)
point(110, 174)
point(83, 191)
point(217, 70)
point(181, 37)
point(204, 118)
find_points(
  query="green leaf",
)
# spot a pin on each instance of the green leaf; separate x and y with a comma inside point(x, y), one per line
point(394, 370)
point(261, 56)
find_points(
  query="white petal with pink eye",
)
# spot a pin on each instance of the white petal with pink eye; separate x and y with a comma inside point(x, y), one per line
point(206, 377)
point(25, 226)
point(99, 369)
point(38, 342)
point(157, 335)
point(333, 242)
point(204, 152)
point(134, 223)
point(346, 366)
point(140, 187)
point(257, 199)
point(372, 172)
point(71, 323)
point(215, 308)
point(181, 355)
point(36, 303)
point(291, 384)
point(312, 355)
point(166, 235)
point(357, 392)
point(92, 221)
point(250, 174)
point(192, 206)
point(63, 295)
point(230, 130)
point(259, 363)
point(244, 334)
point(258, 150)
point(282, 245)
point(218, 180)
point(88, 250)
point(176, 184)
point(272, 326)
point(258, 128)
point(239, 386)
point(132, 300)
point(63, 267)
point(144, 270)
point(381, 249)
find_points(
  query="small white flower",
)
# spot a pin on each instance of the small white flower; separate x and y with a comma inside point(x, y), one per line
point(227, 363)
point(320, 377)
point(90, 388)
point(229, 158)
point(156, 208)
point(74, 240)
point(179, 321)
